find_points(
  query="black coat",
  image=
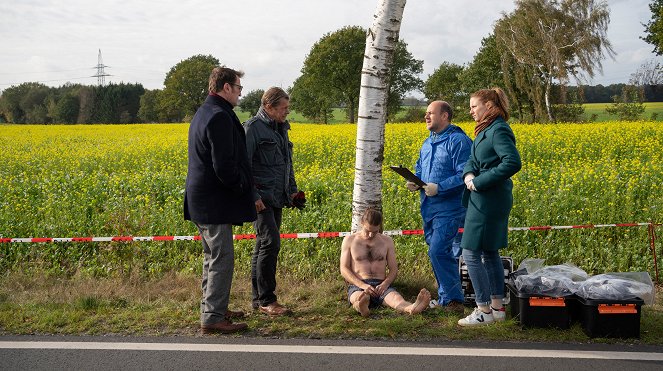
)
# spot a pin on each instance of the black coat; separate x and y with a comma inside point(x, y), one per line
point(219, 183)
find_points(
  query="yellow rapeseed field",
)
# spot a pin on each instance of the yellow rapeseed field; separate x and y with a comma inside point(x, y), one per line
point(107, 180)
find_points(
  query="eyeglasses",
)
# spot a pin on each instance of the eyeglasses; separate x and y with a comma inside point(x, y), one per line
point(237, 85)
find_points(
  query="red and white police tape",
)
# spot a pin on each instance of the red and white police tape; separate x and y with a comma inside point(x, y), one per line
point(405, 232)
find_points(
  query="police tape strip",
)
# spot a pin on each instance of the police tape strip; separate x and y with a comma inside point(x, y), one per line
point(405, 232)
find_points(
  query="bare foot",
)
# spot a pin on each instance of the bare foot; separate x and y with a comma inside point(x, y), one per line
point(361, 304)
point(421, 303)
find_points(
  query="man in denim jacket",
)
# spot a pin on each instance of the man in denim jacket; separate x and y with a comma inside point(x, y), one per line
point(440, 165)
point(270, 155)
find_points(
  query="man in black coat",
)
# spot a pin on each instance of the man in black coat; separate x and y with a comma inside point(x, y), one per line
point(218, 194)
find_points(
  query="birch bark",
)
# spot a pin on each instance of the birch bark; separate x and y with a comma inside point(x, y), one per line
point(381, 41)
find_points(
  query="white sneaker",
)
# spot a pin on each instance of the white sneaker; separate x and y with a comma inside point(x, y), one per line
point(499, 315)
point(477, 318)
point(433, 304)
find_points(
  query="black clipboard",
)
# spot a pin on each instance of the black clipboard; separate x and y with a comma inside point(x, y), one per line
point(407, 174)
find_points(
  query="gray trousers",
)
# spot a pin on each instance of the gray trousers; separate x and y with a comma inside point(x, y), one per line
point(218, 265)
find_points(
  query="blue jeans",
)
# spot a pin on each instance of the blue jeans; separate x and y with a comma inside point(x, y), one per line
point(487, 274)
point(443, 241)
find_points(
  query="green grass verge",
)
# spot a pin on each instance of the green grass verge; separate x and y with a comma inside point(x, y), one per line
point(169, 306)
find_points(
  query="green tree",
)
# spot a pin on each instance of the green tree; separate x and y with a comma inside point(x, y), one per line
point(34, 103)
point(148, 111)
point(334, 65)
point(629, 106)
point(25, 103)
point(117, 103)
point(65, 109)
point(305, 100)
point(649, 73)
point(251, 101)
point(332, 73)
point(445, 84)
point(185, 86)
point(168, 112)
point(569, 108)
point(546, 41)
point(87, 104)
point(485, 70)
point(9, 104)
point(404, 78)
point(654, 29)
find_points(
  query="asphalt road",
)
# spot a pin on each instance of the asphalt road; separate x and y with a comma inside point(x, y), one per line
point(239, 353)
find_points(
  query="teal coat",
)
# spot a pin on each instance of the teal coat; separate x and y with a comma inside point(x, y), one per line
point(493, 160)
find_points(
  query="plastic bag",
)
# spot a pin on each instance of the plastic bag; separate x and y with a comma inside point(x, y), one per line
point(531, 265)
point(555, 280)
point(618, 286)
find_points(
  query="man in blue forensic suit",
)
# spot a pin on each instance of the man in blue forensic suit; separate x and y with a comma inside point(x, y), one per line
point(441, 160)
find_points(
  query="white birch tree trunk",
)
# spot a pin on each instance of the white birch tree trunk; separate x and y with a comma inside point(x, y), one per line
point(381, 42)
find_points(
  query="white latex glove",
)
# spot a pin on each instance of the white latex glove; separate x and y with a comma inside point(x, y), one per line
point(430, 189)
point(411, 186)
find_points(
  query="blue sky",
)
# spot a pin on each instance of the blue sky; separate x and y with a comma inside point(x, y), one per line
point(56, 41)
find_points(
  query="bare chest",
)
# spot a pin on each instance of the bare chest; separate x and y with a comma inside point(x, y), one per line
point(369, 253)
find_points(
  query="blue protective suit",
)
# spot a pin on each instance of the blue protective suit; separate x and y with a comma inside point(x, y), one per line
point(441, 160)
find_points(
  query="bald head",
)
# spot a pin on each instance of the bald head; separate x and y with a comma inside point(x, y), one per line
point(438, 116)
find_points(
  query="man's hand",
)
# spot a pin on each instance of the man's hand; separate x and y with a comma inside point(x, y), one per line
point(298, 200)
point(411, 186)
point(381, 288)
point(259, 205)
point(370, 290)
point(430, 189)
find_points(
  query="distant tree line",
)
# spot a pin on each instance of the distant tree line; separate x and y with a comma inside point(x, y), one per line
point(605, 94)
point(185, 88)
point(35, 103)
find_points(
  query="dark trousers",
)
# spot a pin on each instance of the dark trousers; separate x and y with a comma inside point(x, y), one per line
point(265, 254)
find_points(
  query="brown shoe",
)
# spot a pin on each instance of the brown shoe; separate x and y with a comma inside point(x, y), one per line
point(274, 309)
point(455, 307)
point(234, 314)
point(224, 327)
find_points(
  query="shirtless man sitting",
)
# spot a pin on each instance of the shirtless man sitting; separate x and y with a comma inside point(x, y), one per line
point(365, 257)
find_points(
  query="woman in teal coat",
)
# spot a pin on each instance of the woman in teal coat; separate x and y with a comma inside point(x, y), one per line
point(488, 198)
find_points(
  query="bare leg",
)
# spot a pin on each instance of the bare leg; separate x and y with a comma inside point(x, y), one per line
point(396, 301)
point(422, 302)
point(360, 301)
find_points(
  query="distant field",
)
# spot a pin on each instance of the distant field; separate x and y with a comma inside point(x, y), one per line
point(590, 109)
point(602, 115)
point(339, 116)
